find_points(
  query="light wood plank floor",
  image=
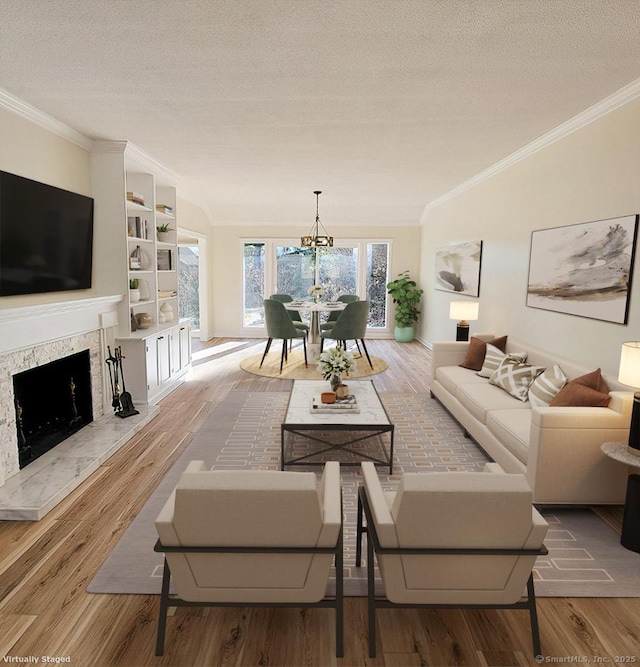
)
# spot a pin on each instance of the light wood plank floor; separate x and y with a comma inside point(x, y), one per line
point(45, 567)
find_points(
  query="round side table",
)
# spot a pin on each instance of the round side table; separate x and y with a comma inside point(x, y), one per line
point(630, 537)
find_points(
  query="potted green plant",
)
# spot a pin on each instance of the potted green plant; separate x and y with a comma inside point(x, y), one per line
point(134, 292)
point(406, 295)
point(163, 231)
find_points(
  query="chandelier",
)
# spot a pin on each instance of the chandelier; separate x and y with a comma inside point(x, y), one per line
point(314, 239)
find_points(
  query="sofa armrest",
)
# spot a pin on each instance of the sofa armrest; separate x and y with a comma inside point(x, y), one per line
point(494, 468)
point(447, 353)
point(566, 464)
point(616, 415)
point(381, 514)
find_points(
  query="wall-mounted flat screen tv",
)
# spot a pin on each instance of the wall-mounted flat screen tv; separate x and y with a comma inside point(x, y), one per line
point(46, 237)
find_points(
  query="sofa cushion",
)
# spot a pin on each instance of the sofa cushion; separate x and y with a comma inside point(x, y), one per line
point(515, 377)
point(450, 377)
point(477, 350)
point(512, 428)
point(478, 399)
point(546, 386)
point(493, 357)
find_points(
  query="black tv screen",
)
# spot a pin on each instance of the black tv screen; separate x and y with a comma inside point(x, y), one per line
point(46, 237)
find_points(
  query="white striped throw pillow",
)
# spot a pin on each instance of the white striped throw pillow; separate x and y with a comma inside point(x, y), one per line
point(546, 386)
point(515, 377)
point(493, 357)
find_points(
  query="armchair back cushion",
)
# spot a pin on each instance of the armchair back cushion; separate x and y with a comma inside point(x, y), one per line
point(251, 509)
point(461, 510)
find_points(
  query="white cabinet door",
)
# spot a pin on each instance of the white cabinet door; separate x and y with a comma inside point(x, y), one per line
point(153, 377)
point(174, 344)
point(164, 357)
point(185, 346)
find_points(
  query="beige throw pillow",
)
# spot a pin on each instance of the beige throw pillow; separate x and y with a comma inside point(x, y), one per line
point(515, 377)
point(546, 386)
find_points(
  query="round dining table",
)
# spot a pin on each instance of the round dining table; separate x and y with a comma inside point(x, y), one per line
point(315, 308)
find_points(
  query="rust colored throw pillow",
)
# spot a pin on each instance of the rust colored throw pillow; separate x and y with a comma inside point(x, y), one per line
point(477, 350)
point(593, 380)
point(578, 395)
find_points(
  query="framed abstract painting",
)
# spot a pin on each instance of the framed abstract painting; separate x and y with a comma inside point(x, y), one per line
point(458, 268)
point(584, 269)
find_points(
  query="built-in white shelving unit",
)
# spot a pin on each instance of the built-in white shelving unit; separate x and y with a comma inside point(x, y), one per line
point(133, 196)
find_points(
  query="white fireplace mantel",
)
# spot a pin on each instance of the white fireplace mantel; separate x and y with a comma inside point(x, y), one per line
point(26, 326)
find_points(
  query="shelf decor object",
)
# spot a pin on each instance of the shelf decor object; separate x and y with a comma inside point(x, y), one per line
point(629, 374)
point(584, 269)
point(315, 239)
point(463, 311)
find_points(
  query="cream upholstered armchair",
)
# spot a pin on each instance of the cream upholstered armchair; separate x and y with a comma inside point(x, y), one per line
point(459, 539)
point(243, 538)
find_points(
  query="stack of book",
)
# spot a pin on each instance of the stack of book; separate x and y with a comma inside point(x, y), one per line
point(166, 294)
point(346, 404)
point(135, 198)
point(137, 226)
point(164, 208)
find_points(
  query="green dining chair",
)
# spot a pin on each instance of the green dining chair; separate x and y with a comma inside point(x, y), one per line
point(350, 325)
point(334, 314)
point(293, 314)
point(280, 325)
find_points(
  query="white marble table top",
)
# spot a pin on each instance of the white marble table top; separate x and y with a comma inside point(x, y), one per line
point(371, 412)
point(619, 452)
point(310, 306)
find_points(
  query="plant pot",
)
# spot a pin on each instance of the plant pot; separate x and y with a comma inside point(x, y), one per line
point(404, 334)
point(164, 237)
point(134, 295)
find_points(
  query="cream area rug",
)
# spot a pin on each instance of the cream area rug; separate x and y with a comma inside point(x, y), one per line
point(585, 557)
point(294, 368)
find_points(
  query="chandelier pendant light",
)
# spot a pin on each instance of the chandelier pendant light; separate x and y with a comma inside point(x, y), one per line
point(315, 239)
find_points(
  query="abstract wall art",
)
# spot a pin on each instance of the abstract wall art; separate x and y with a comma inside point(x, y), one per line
point(458, 268)
point(584, 269)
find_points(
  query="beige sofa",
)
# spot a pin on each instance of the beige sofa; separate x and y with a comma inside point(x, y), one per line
point(558, 448)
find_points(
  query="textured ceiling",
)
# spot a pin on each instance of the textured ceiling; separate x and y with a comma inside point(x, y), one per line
point(384, 105)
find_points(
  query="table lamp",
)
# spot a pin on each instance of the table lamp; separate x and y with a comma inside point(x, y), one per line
point(629, 374)
point(463, 311)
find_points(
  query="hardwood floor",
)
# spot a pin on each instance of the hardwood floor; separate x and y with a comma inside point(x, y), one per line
point(45, 567)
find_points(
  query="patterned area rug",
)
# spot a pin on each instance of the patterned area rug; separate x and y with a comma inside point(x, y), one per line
point(585, 559)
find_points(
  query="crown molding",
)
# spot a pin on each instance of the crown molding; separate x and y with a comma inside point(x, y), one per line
point(618, 99)
point(23, 109)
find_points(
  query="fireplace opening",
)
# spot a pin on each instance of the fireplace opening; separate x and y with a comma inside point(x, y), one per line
point(52, 402)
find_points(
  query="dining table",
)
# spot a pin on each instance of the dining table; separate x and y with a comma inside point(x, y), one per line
point(314, 308)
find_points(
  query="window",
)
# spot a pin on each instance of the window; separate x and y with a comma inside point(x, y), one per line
point(254, 284)
point(358, 267)
point(189, 283)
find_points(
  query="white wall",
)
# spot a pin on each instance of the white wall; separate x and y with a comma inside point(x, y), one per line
point(589, 175)
point(227, 255)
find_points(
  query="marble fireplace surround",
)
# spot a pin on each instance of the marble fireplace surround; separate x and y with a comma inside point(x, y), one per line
point(34, 335)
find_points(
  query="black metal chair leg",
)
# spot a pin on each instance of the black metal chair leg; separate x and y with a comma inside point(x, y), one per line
point(364, 347)
point(164, 606)
point(304, 345)
point(533, 614)
point(284, 353)
point(266, 349)
point(371, 600)
point(321, 344)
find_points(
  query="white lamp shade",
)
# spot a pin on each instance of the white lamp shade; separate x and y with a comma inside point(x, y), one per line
point(629, 373)
point(464, 310)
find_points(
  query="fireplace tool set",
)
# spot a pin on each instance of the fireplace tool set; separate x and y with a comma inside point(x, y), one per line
point(122, 402)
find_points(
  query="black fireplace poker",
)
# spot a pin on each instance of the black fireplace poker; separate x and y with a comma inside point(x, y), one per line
point(122, 402)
